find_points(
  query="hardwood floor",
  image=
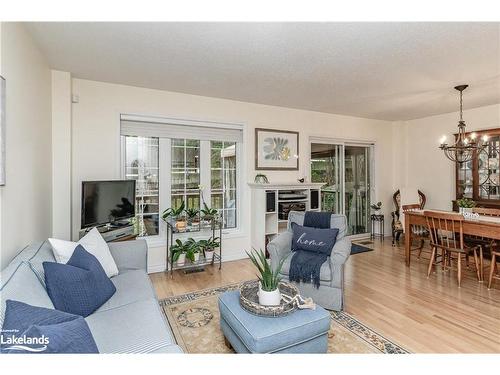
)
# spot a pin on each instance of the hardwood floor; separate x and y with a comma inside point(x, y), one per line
point(425, 315)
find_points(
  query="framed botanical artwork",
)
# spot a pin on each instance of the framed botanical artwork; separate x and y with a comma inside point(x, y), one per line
point(2, 130)
point(276, 149)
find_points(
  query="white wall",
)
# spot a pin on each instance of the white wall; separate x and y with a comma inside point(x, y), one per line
point(96, 142)
point(26, 198)
point(61, 155)
point(424, 165)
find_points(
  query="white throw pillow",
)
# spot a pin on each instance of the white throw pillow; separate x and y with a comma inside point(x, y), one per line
point(93, 243)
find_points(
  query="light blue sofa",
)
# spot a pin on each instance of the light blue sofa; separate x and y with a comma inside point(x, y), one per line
point(330, 294)
point(129, 322)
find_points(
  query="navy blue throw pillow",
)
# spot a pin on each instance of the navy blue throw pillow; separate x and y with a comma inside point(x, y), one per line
point(30, 329)
point(313, 239)
point(80, 286)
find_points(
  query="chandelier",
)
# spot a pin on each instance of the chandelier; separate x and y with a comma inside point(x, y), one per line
point(464, 147)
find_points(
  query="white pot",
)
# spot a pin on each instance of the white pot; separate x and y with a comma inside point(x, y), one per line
point(463, 210)
point(269, 298)
point(196, 257)
point(209, 255)
point(182, 260)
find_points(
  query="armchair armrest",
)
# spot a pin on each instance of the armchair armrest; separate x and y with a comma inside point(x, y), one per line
point(341, 251)
point(130, 254)
point(279, 248)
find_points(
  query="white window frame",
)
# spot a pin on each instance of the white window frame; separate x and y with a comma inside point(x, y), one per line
point(165, 180)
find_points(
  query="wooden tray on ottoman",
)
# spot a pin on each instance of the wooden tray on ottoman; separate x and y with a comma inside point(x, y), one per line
point(250, 301)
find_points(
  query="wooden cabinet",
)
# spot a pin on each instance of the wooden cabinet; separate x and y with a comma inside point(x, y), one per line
point(479, 179)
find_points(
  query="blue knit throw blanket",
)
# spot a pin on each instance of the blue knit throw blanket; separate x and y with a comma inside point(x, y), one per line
point(305, 266)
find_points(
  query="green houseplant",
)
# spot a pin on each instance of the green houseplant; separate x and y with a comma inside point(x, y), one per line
point(208, 247)
point(177, 214)
point(209, 214)
point(193, 250)
point(269, 279)
point(193, 216)
point(465, 205)
point(178, 252)
point(376, 207)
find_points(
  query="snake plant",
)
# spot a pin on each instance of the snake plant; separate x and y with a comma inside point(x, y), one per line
point(268, 278)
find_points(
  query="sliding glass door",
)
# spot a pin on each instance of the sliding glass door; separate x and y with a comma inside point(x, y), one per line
point(357, 188)
point(345, 168)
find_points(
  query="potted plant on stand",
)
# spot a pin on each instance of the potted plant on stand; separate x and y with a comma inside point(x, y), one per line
point(193, 218)
point(209, 246)
point(209, 214)
point(269, 294)
point(376, 207)
point(178, 252)
point(178, 215)
point(193, 250)
point(465, 205)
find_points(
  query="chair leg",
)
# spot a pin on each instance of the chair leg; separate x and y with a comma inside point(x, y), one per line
point(431, 262)
point(459, 266)
point(476, 263)
point(481, 261)
point(492, 269)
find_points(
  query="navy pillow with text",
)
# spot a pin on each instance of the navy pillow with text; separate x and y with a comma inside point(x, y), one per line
point(314, 240)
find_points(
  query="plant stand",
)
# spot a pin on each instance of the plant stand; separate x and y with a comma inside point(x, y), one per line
point(215, 226)
point(377, 220)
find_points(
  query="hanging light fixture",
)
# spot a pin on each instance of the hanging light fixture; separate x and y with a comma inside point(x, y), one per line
point(464, 147)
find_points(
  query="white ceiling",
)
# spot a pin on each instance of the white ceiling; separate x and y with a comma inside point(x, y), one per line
point(389, 71)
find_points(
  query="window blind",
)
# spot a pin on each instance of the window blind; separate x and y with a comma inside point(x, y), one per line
point(173, 128)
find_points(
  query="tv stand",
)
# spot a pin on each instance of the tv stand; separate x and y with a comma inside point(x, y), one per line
point(112, 233)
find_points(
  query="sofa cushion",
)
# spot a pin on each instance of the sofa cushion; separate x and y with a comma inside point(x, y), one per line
point(93, 243)
point(138, 327)
point(49, 330)
point(21, 284)
point(79, 287)
point(131, 286)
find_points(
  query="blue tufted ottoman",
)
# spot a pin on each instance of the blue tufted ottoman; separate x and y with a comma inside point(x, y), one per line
point(303, 331)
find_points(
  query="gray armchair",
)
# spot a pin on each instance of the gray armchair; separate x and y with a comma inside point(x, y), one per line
point(330, 294)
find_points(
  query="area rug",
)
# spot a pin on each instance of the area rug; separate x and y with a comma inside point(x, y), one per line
point(194, 319)
point(361, 247)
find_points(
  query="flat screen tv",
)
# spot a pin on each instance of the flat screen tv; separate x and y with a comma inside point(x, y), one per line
point(106, 202)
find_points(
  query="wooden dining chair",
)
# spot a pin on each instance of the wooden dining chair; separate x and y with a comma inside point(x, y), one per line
point(488, 245)
point(446, 233)
point(418, 232)
point(495, 255)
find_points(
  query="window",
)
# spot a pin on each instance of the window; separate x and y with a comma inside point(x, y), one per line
point(223, 180)
point(185, 172)
point(170, 160)
point(141, 164)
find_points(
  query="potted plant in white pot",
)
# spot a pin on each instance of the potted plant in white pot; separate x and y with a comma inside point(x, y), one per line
point(209, 247)
point(178, 252)
point(209, 214)
point(193, 250)
point(376, 207)
point(465, 205)
point(193, 218)
point(269, 294)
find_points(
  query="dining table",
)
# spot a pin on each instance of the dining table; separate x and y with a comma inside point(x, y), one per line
point(484, 226)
